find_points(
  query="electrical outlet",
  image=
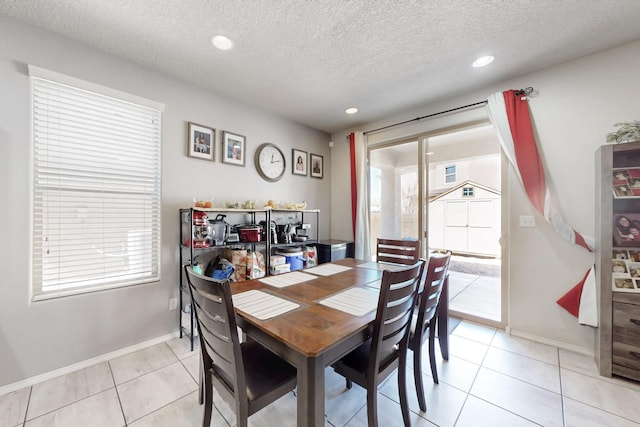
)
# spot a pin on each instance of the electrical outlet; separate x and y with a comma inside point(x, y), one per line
point(527, 221)
point(173, 303)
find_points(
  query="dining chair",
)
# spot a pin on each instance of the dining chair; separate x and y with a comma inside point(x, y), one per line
point(405, 252)
point(248, 376)
point(386, 350)
point(424, 320)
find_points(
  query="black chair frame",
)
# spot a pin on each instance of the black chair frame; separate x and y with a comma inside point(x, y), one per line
point(386, 351)
point(435, 278)
point(246, 375)
point(406, 252)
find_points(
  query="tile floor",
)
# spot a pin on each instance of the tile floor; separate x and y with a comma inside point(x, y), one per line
point(491, 379)
point(474, 286)
point(475, 294)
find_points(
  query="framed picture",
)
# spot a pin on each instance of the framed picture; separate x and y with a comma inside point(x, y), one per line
point(201, 141)
point(626, 229)
point(233, 148)
point(299, 162)
point(317, 168)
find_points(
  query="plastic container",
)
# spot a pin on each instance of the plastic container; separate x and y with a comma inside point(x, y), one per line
point(294, 259)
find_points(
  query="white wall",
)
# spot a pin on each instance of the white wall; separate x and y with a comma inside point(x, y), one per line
point(39, 337)
point(483, 170)
point(578, 103)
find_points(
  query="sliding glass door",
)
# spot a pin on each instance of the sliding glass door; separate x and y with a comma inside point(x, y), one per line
point(395, 189)
point(445, 190)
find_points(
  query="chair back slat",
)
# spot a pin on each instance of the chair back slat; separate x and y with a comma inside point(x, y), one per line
point(220, 346)
point(405, 252)
point(398, 295)
point(214, 328)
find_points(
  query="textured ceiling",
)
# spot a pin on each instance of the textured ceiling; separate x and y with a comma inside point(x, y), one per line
point(309, 60)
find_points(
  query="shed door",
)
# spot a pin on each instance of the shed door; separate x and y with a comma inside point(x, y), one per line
point(456, 220)
point(482, 228)
point(470, 226)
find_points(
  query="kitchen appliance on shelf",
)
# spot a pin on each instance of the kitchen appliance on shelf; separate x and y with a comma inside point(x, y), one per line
point(250, 233)
point(272, 229)
point(286, 233)
point(301, 232)
point(200, 232)
point(218, 230)
point(233, 237)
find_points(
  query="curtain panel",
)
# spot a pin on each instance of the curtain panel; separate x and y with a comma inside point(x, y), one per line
point(509, 113)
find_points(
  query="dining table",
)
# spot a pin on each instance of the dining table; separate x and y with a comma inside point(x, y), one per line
point(312, 318)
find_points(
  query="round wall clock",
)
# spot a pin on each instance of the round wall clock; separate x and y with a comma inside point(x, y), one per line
point(270, 162)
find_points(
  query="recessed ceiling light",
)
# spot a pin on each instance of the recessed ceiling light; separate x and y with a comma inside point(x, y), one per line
point(222, 42)
point(351, 110)
point(481, 62)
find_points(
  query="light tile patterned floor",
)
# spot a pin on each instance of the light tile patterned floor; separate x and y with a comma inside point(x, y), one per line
point(491, 379)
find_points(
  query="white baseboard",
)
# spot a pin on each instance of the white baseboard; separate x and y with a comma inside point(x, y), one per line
point(85, 363)
point(554, 343)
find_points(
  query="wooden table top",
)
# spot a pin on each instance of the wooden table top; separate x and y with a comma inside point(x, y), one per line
point(313, 328)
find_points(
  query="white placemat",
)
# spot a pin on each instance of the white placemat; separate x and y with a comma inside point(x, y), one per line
point(375, 284)
point(287, 279)
point(356, 301)
point(327, 269)
point(262, 305)
point(382, 266)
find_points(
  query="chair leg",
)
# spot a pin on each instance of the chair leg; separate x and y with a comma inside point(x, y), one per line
point(201, 385)
point(372, 406)
point(208, 404)
point(402, 387)
point(432, 354)
point(417, 377)
point(349, 383)
point(242, 419)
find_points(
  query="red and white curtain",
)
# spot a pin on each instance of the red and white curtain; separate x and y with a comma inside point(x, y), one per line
point(509, 113)
point(360, 195)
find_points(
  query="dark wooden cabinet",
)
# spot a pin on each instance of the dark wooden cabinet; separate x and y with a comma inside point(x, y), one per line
point(618, 260)
point(334, 250)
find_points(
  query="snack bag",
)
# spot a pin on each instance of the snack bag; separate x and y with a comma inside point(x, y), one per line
point(256, 267)
point(238, 258)
point(310, 256)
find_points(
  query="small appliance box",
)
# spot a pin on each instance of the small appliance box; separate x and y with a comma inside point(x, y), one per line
point(277, 260)
point(256, 267)
point(279, 269)
point(294, 258)
point(237, 257)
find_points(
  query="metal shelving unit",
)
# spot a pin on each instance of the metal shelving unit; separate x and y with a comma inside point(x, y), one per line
point(189, 253)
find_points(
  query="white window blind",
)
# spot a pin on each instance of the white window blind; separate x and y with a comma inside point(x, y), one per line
point(96, 187)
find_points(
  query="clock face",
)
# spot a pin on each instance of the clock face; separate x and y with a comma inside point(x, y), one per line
point(270, 162)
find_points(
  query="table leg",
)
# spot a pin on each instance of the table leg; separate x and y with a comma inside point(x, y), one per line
point(311, 392)
point(443, 319)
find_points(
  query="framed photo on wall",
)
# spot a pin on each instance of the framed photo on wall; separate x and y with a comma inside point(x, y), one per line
point(233, 148)
point(299, 162)
point(201, 141)
point(317, 168)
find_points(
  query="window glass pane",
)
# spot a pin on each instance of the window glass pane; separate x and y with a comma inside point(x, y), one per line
point(450, 174)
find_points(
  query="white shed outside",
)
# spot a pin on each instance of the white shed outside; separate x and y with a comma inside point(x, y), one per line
point(466, 219)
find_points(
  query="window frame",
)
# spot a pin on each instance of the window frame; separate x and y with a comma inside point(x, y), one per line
point(150, 249)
